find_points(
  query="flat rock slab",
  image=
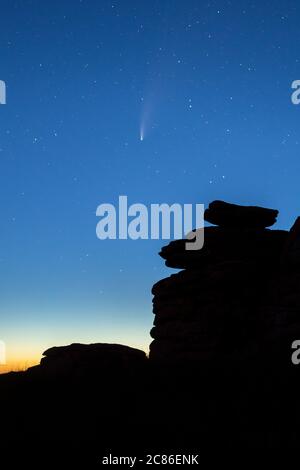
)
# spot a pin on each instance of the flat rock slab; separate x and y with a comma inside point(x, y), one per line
point(225, 214)
point(223, 244)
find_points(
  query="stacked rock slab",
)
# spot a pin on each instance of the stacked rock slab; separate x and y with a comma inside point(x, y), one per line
point(213, 306)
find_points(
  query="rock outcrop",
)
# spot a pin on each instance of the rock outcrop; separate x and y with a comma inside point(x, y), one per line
point(232, 294)
point(90, 359)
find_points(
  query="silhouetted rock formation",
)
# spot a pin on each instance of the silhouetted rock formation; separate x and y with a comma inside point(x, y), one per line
point(225, 302)
point(84, 359)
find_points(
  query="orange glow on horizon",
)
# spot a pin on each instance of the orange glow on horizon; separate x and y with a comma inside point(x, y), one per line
point(21, 357)
point(18, 366)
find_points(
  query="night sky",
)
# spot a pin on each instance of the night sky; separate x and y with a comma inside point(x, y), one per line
point(208, 87)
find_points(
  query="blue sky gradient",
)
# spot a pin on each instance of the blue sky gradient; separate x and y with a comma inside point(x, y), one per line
point(209, 82)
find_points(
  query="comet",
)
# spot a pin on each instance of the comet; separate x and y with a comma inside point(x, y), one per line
point(146, 116)
point(142, 132)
